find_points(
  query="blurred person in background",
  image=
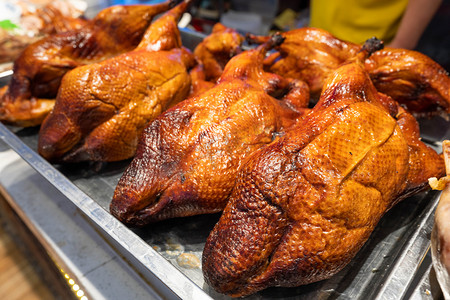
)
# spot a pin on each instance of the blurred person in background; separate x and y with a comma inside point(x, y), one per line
point(399, 23)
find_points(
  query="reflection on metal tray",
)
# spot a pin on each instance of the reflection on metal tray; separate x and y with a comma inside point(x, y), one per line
point(393, 264)
point(5, 71)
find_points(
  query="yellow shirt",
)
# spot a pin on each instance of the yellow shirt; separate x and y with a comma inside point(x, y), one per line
point(358, 20)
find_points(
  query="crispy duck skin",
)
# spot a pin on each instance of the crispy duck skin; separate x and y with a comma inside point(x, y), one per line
point(217, 49)
point(308, 54)
point(409, 77)
point(188, 157)
point(102, 108)
point(304, 205)
point(199, 84)
point(39, 69)
point(213, 53)
point(412, 79)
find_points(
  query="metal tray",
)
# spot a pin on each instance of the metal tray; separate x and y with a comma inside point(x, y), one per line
point(393, 264)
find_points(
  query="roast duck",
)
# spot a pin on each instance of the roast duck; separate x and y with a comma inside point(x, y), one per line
point(440, 236)
point(30, 95)
point(188, 157)
point(213, 53)
point(308, 54)
point(305, 204)
point(409, 77)
point(216, 49)
point(102, 108)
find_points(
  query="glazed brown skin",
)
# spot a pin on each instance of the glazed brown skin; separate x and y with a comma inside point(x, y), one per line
point(213, 53)
point(102, 108)
point(412, 79)
point(308, 54)
point(187, 160)
point(304, 205)
point(199, 84)
point(409, 77)
point(38, 71)
point(216, 49)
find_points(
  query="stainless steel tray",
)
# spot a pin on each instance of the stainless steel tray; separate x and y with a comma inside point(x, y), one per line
point(393, 264)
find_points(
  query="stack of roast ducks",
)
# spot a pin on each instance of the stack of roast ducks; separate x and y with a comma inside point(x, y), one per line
point(302, 141)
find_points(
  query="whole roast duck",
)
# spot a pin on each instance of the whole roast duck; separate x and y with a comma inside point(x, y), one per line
point(29, 97)
point(188, 157)
point(102, 108)
point(304, 205)
point(409, 77)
